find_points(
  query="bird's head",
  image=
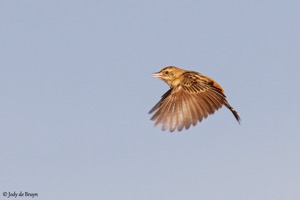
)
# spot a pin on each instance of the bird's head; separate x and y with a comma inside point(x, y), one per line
point(169, 74)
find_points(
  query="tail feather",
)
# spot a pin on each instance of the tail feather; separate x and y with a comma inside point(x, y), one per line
point(236, 115)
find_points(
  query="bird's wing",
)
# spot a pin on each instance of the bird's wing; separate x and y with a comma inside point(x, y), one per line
point(194, 99)
point(207, 89)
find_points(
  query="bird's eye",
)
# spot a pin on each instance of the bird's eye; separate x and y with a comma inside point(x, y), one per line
point(166, 72)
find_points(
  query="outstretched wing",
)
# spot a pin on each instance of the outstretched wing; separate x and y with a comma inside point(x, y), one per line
point(193, 100)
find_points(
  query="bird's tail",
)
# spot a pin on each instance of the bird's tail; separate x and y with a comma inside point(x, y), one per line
point(236, 115)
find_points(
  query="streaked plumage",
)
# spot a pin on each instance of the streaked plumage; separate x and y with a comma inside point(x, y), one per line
point(191, 98)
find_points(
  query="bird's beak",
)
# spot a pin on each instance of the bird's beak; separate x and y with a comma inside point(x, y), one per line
point(156, 75)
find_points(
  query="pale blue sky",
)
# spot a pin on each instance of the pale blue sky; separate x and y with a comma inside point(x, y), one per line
point(74, 122)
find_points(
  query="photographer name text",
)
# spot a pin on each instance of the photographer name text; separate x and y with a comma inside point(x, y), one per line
point(19, 194)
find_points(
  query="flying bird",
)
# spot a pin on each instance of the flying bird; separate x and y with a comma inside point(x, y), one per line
point(190, 99)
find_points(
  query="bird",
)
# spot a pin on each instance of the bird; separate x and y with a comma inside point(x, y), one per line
point(191, 98)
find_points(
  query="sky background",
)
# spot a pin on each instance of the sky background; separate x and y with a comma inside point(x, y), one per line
point(75, 91)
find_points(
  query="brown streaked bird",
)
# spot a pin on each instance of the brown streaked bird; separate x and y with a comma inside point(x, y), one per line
point(190, 99)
